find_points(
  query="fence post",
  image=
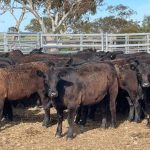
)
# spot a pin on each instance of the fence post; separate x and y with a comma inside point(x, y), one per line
point(81, 42)
point(5, 43)
point(41, 39)
point(106, 37)
point(126, 42)
point(102, 41)
point(147, 40)
point(38, 40)
point(19, 40)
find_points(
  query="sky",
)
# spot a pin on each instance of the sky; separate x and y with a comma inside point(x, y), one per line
point(142, 7)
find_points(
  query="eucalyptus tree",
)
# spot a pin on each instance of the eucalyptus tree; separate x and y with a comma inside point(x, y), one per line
point(60, 12)
point(15, 10)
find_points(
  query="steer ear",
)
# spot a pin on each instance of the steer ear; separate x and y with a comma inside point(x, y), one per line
point(64, 72)
point(137, 62)
point(51, 64)
point(69, 62)
point(40, 73)
point(132, 67)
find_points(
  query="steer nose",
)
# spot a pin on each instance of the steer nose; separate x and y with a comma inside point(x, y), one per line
point(146, 84)
point(53, 94)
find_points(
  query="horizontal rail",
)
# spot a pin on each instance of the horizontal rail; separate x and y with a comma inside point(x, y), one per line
point(68, 46)
point(102, 41)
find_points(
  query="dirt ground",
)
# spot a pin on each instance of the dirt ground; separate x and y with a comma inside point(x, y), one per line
point(26, 133)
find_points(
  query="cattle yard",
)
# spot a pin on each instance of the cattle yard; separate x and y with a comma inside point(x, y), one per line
point(85, 100)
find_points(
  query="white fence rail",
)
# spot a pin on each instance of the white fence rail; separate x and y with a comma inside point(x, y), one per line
point(129, 43)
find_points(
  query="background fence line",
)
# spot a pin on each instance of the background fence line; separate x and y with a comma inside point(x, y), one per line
point(129, 43)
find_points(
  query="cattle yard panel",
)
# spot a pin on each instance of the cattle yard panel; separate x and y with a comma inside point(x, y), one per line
point(23, 41)
point(71, 41)
point(129, 43)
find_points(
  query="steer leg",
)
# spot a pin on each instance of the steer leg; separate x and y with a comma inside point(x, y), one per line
point(71, 116)
point(60, 120)
point(147, 105)
point(131, 111)
point(84, 113)
point(92, 111)
point(113, 114)
point(7, 111)
point(104, 113)
point(78, 116)
point(113, 92)
point(148, 121)
point(45, 102)
point(137, 111)
point(1, 108)
point(46, 121)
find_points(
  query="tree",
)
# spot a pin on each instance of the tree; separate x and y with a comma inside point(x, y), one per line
point(12, 29)
point(120, 11)
point(146, 24)
point(35, 26)
point(131, 27)
point(82, 26)
point(59, 12)
point(107, 24)
point(117, 22)
point(11, 7)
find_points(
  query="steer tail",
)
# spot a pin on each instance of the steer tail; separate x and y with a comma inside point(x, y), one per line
point(113, 92)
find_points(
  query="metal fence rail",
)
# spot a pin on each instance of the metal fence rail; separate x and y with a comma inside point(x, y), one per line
point(129, 43)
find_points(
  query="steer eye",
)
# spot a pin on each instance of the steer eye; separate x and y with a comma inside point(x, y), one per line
point(148, 77)
point(139, 76)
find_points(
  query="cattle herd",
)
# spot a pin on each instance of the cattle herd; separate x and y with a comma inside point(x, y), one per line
point(79, 83)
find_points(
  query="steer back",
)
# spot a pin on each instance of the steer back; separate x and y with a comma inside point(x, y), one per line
point(92, 82)
point(18, 84)
point(84, 84)
point(43, 66)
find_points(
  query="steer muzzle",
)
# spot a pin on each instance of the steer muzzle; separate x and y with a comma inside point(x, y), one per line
point(146, 84)
point(52, 93)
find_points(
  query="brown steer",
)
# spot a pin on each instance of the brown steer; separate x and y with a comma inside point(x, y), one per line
point(17, 83)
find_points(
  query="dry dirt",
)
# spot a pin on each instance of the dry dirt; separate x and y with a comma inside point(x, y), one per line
point(27, 133)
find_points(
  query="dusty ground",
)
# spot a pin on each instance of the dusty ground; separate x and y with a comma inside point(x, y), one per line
point(27, 133)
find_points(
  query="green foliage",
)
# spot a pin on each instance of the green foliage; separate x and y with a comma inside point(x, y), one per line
point(107, 24)
point(146, 24)
point(12, 29)
point(35, 26)
point(121, 11)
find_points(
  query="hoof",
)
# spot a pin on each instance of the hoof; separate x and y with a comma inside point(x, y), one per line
point(104, 126)
point(68, 138)
point(91, 119)
point(137, 120)
point(81, 127)
point(58, 135)
point(3, 119)
point(81, 123)
point(46, 125)
point(77, 122)
point(113, 126)
point(148, 125)
point(130, 119)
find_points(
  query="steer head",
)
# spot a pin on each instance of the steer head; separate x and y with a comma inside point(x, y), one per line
point(55, 75)
point(143, 72)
